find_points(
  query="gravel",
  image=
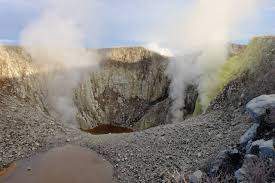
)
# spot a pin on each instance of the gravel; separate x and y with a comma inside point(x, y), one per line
point(136, 157)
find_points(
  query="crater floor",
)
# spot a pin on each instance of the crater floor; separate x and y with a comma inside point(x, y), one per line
point(136, 157)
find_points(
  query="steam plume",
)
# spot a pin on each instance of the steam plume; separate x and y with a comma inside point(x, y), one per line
point(156, 48)
point(56, 43)
point(202, 37)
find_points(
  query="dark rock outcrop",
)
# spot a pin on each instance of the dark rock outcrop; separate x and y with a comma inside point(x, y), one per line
point(254, 159)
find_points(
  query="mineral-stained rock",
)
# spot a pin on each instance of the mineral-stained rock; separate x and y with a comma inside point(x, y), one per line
point(246, 75)
point(234, 49)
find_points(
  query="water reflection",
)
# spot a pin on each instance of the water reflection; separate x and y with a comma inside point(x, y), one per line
point(68, 164)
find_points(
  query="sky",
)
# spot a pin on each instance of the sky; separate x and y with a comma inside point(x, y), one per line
point(124, 22)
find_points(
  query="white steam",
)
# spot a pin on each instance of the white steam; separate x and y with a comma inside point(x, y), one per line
point(204, 34)
point(156, 48)
point(56, 43)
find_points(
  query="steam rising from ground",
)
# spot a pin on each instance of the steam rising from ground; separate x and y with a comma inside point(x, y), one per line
point(56, 42)
point(156, 48)
point(202, 37)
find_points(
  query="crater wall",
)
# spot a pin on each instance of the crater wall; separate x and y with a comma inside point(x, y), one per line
point(129, 89)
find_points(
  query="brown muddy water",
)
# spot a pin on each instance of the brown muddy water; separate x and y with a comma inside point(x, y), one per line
point(106, 129)
point(8, 170)
point(67, 164)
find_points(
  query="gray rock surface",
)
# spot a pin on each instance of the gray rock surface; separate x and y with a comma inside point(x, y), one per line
point(125, 91)
point(225, 162)
point(249, 134)
point(129, 85)
point(265, 148)
point(136, 157)
point(259, 106)
point(196, 177)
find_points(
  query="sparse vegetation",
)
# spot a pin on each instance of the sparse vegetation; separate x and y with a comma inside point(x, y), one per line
point(259, 171)
point(178, 177)
point(175, 177)
point(256, 171)
point(257, 51)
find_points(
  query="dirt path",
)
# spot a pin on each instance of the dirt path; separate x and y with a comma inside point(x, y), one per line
point(136, 157)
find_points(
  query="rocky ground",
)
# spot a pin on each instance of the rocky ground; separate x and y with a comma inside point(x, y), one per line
point(144, 156)
point(136, 157)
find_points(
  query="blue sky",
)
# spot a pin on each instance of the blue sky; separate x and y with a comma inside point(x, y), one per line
point(122, 22)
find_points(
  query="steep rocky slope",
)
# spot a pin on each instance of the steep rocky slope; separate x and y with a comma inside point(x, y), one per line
point(130, 85)
point(18, 75)
point(129, 89)
point(246, 75)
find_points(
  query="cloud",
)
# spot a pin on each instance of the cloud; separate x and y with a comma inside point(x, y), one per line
point(23, 3)
point(140, 21)
point(7, 41)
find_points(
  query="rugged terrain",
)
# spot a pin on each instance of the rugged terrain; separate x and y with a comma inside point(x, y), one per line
point(145, 156)
point(136, 157)
point(129, 89)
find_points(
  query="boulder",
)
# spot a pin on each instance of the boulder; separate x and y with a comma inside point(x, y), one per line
point(249, 134)
point(196, 177)
point(264, 149)
point(259, 106)
point(241, 173)
point(266, 152)
point(226, 161)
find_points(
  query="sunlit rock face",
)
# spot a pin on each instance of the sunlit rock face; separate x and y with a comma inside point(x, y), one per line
point(19, 77)
point(130, 90)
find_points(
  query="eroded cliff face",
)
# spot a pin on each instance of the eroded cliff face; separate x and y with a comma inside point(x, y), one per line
point(129, 86)
point(19, 77)
point(129, 89)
